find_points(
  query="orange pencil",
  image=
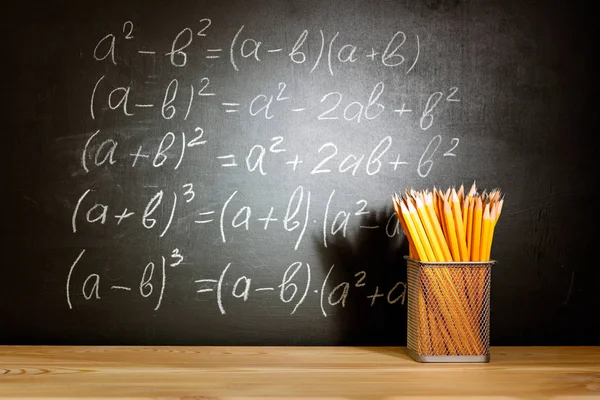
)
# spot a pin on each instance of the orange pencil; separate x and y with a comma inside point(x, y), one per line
point(469, 227)
point(476, 240)
point(437, 227)
point(412, 251)
point(421, 231)
point(465, 211)
point(460, 228)
point(485, 232)
point(413, 233)
point(490, 238)
point(451, 231)
point(429, 229)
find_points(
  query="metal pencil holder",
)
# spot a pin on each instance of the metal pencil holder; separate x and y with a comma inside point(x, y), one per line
point(448, 311)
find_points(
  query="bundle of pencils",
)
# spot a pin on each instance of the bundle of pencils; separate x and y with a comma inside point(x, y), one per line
point(450, 226)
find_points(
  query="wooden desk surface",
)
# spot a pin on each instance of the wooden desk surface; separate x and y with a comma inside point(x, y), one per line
point(293, 373)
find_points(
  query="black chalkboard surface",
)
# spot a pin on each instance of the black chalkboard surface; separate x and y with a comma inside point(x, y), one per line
point(211, 173)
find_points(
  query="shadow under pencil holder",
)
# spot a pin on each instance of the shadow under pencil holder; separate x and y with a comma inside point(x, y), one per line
point(448, 311)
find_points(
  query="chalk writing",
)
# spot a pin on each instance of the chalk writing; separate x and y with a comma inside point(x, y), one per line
point(294, 288)
point(151, 282)
point(278, 101)
point(187, 130)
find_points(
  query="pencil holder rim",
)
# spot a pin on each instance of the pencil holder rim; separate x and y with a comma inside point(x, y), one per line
point(454, 263)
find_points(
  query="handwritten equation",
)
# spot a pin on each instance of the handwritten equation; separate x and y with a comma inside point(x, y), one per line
point(293, 288)
point(173, 148)
point(295, 219)
point(189, 42)
point(277, 101)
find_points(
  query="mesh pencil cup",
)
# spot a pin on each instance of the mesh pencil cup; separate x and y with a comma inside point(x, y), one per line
point(448, 311)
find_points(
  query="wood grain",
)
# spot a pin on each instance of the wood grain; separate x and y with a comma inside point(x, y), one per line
point(42, 372)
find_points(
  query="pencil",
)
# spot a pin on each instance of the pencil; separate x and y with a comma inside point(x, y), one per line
point(412, 231)
point(469, 227)
point(485, 231)
point(430, 231)
point(490, 236)
point(465, 212)
point(447, 256)
point(476, 240)
point(460, 228)
point(451, 231)
point(421, 231)
point(412, 249)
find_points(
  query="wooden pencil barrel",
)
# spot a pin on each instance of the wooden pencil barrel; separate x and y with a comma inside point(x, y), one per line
point(448, 311)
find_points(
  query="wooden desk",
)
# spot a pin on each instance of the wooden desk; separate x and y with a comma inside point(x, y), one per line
point(293, 373)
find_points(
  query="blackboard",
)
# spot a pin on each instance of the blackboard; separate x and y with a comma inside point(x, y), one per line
point(216, 173)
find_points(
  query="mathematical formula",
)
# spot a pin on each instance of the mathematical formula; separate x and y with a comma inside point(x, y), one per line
point(277, 101)
point(295, 218)
point(104, 150)
point(397, 52)
point(293, 287)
